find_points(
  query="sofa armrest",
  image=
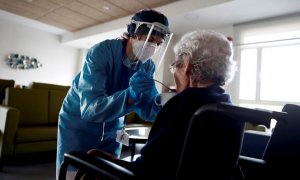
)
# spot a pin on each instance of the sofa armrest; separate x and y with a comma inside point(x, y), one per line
point(9, 120)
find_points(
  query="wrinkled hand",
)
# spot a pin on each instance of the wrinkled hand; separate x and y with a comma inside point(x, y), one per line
point(141, 83)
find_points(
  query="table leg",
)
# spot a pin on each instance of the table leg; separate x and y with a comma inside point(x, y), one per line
point(132, 151)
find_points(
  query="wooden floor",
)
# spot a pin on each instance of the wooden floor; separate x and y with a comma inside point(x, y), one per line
point(40, 166)
point(32, 167)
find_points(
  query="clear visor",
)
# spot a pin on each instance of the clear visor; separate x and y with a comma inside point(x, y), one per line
point(153, 44)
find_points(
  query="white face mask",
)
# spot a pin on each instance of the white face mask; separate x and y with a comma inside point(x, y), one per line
point(143, 53)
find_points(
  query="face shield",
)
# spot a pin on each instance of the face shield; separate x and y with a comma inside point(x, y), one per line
point(152, 42)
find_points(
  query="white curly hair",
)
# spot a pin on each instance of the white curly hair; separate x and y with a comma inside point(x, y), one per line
point(210, 54)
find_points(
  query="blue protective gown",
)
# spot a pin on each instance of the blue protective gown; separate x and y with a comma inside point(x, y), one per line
point(93, 110)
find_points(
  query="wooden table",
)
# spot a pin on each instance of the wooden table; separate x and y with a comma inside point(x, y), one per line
point(137, 135)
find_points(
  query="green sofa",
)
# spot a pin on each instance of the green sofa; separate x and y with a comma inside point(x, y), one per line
point(28, 119)
point(133, 120)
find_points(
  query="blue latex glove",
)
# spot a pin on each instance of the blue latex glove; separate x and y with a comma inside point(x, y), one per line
point(141, 83)
point(150, 95)
point(147, 69)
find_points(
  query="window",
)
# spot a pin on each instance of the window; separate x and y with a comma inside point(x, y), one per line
point(280, 73)
point(248, 74)
point(269, 63)
point(270, 76)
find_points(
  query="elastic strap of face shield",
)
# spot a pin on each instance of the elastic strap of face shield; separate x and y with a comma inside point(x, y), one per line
point(154, 28)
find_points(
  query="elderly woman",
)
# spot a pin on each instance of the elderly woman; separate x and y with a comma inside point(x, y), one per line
point(203, 65)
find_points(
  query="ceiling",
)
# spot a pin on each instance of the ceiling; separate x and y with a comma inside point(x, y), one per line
point(75, 15)
point(82, 23)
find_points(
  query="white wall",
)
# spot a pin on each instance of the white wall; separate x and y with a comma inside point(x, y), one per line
point(231, 86)
point(60, 63)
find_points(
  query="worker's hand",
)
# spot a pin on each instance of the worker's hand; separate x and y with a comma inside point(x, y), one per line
point(141, 83)
point(147, 68)
point(150, 94)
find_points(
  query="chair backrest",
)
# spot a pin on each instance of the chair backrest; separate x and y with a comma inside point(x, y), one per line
point(283, 149)
point(214, 139)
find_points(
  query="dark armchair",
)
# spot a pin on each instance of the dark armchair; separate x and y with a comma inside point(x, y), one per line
point(282, 153)
point(207, 152)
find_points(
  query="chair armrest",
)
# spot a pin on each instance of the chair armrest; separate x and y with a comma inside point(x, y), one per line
point(253, 168)
point(252, 161)
point(94, 165)
point(9, 120)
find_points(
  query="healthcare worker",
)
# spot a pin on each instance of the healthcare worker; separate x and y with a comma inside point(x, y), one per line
point(116, 79)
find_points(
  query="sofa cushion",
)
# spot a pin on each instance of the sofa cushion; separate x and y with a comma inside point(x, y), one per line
point(35, 147)
point(55, 102)
point(36, 133)
point(32, 104)
point(38, 85)
point(131, 117)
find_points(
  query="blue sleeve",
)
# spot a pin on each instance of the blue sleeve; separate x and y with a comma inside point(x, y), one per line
point(95, 104)
point(149, 110)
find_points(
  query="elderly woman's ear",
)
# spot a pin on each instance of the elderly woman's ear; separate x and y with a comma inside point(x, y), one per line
point(182, 75)
point(188, 66)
